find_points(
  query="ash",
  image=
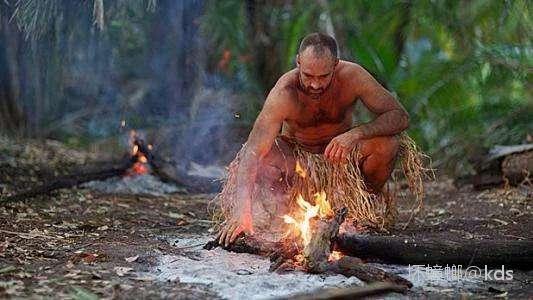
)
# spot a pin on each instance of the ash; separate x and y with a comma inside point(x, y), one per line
point(246, 276)
point(145, 184)
point(238, 275)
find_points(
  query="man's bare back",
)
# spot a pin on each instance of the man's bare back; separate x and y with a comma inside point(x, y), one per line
point(313, 104)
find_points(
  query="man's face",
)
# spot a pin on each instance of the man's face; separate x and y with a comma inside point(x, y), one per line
point(315, 71)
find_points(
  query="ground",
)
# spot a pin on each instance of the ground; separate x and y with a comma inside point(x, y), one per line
point(79, 244)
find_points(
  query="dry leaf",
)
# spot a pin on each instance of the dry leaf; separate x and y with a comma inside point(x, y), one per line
point(132, 259)
point(121, 271)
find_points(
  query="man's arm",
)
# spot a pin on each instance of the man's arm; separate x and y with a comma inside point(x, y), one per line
point(391, 116)
point(261, 139)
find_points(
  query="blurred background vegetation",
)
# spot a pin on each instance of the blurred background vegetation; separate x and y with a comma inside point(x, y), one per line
point(72, 70)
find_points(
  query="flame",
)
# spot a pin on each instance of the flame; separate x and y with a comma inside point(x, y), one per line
point(335, 255)
point(138, 168)
point(299, 170)
point(141, 161)
point(321, 209)
point(325, 210)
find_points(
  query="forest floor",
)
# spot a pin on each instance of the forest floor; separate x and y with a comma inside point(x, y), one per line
point(79, 244)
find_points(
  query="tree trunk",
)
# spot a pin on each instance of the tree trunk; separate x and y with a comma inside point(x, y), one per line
point(12, 119)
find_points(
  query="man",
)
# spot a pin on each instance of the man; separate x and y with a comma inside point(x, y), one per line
point(312, 106)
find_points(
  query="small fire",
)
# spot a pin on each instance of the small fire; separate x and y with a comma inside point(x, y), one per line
point(335, 255)
point(140, 166)
point(321, 209)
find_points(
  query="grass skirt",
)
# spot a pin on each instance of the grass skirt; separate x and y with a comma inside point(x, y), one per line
point(343, 184)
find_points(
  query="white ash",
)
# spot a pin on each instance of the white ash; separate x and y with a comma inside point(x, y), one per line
point(145, 184)
point(246, 276)
point(238, 275)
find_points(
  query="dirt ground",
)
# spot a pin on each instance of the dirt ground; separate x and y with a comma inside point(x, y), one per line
point(81, 245)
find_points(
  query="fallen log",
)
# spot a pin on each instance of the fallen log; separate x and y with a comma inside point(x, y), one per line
point(352, 266)
point(511, 164)
point(356, 292)
point(424, 251)
point(102, 170)
point(412, 251)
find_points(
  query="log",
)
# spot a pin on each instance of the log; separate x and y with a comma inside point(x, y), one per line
point(350, 292)
point(352, 266)
point(512, 164)
point(102, 171)
point(424, 251)
point(246, 244)
point(316, 253)
point(169, 171)
point(415, 251)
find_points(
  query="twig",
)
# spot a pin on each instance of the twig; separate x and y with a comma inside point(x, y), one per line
point(29, 235)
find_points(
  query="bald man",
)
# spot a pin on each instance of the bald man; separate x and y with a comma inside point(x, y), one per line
point(311, 106)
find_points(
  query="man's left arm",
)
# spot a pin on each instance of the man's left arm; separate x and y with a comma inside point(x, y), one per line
point(391, 117)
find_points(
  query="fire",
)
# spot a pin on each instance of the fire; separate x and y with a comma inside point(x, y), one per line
point(299, 170)
point(138, 152)
point(321, 209)
point(335, 255)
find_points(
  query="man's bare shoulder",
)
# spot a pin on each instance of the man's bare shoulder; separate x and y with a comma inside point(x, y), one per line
point(284, 93)
point(354, 77)
point(349, 71)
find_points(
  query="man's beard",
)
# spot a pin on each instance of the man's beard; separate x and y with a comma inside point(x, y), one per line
point(315, 94)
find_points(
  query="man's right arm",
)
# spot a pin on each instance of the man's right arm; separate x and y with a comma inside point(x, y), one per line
point(260, 141)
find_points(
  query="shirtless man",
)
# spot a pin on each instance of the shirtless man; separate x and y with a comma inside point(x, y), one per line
point(313, 104)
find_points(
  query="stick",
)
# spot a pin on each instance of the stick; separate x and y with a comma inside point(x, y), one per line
point(350, 292)
point(74, 179)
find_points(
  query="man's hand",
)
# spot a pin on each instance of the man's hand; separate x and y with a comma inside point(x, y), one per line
point(233, 227)
point(340, 147)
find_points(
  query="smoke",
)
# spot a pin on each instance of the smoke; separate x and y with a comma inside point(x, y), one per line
point(145, 66)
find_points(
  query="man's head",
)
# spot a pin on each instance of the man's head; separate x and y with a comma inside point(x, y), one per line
point(316, 60)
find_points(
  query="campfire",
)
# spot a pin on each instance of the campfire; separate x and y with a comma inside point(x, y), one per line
point(308, 220)
point(139, 152)
point(308, 245)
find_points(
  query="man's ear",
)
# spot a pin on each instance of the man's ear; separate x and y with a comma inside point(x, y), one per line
point(336, 61)
point(298, 60)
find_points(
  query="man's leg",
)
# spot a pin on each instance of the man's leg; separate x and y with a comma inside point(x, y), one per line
point(378, 158)
point(272, 187)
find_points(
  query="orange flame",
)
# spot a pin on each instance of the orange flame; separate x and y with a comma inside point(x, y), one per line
point(321, 209)
point(335, 255)
point(299, 170)
point(141, 164)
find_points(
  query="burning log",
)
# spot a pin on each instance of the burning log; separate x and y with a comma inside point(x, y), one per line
point(317, 252)
point(134, 163)
point(405, 251)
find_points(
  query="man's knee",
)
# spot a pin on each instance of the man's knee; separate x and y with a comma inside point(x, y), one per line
point(384, 147)
point(279, 157)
